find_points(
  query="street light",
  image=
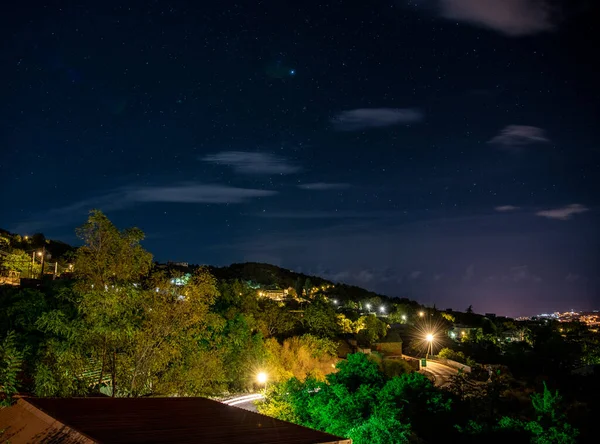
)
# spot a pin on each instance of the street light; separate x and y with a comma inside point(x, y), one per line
point(382, 309)
point(335, 302)
point(404, 317)
point(262, 378)
point(429, 338)
point(368, 307)
point(421, 314)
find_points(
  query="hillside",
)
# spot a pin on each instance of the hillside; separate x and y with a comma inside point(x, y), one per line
point(264, 275)
point(272, 276)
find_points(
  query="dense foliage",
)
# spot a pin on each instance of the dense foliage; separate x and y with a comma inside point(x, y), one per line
point(124, 326)
point(361, 402)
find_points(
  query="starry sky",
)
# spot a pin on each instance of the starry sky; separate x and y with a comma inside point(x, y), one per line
point(442, 150)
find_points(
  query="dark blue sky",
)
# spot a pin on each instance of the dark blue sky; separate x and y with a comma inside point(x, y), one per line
point(443, 150)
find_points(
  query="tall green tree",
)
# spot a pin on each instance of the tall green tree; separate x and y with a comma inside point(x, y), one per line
point(110, 267)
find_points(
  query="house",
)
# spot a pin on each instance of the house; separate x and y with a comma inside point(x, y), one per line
point(146, 420)
point(460, 331)
point(275, 295)
point(391, 344)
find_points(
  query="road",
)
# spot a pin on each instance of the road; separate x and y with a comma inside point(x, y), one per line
point(245, 402)
point(440, 372)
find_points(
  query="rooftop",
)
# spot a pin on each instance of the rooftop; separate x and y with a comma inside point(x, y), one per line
point(147, 420)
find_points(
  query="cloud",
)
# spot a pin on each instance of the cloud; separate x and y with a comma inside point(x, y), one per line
point(510, 17)
point(516, 136)
point(563, 213)
point(252, 163)
point(521, 273)
point(128, 196)
point(363, 118)
point(516, 274)
point(469, 273)
point(196, 193)
point(299, 214)
point(414, 274)
point(365, 276)
point(506, 208)
point(322, 186)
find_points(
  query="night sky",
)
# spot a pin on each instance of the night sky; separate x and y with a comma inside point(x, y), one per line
point(442, 150)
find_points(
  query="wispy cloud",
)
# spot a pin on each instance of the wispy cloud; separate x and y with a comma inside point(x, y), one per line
point(563, 213)
point(322, 186)
point(300, 214)
point(195, 193)
point(415, 274)
point(469, 273)
point(516, 274)
point(245, 162)
point(128, 196)
point(516, 136)
point(506, 208)
point(510, 17)
point(363, 118)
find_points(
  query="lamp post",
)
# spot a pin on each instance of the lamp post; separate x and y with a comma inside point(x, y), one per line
point(368, 307)
point(429, 338)
point(421, 314)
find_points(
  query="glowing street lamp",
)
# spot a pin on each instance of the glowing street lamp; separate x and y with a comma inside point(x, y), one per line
point(262, 378)
point(382, 309)
point(404, 317)
point(421, 314)
point(368, 307)
point(429, 339)
point(335, 302)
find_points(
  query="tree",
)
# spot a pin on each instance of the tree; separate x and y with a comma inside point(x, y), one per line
point(448, 317)
point(470, 309)
point(308, 287)
point(360, 402)
point(275, 320)
point(110, 266)
point(17, 260)
point(374, 329)
point(170, 319)
point(549, 426)
point(11, 361)
point(320, 319)
point(344, 324)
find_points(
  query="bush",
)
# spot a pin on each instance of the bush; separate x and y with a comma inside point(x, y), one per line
point(447, 353)
point(395, 367)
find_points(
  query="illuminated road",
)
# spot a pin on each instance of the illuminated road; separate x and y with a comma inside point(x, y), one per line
point(441, 372)
point(245, 402)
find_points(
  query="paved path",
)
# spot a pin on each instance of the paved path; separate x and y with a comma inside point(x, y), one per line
point(245, 402)
point(441, 372)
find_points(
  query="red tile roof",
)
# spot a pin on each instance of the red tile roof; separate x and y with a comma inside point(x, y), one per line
point(147, 420)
